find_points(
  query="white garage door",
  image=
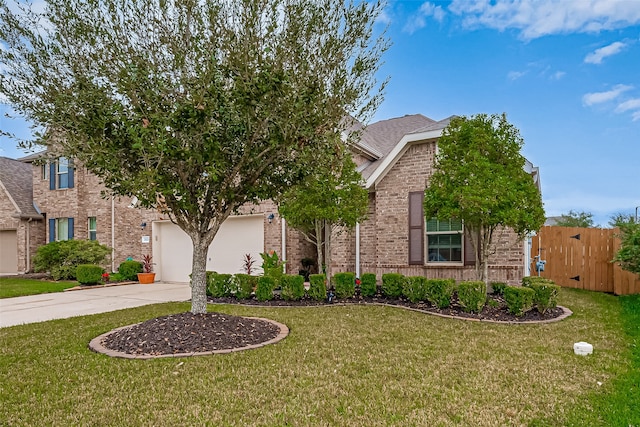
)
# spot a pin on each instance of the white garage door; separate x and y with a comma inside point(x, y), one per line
point(8, 251)
point(238, 235)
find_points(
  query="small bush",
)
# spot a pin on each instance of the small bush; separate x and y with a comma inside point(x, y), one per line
point(244, 285)
point(546, 295)
point(498, 287)
point(292, 287)
point(368, 286)
point(62, 258)
point(529, 280)
point(89, 274)
point(345, 284)
point(519, 299)
point(272, 266)
point(414, 288)
point(392, 284)
point(264, 290)
point(472, 296)
point(219, 285)
point(440, 291)
point(317, 287)
point(129, 270)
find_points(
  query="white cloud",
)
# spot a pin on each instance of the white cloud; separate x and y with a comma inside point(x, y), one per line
point(598, 55)
point(558, 75)
point(384, 17)
point(635, 116)
point(515, 75)
point(537, 18)
point(600, 97)
point(419, 20)
point(631, 104)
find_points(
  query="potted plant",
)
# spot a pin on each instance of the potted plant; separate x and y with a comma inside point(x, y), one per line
point(147, 276)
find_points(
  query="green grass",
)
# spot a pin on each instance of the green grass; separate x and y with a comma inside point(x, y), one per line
point(342, 366)
point(17, 287)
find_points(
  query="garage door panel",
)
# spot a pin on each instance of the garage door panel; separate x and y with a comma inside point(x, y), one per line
point(237, 236)
point(8, 251)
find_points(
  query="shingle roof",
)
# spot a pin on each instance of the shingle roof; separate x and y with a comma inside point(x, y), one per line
point(16, 177)
point(384, 135)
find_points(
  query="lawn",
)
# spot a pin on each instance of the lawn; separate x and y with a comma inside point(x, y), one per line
point(17, 287)
point(342, 366)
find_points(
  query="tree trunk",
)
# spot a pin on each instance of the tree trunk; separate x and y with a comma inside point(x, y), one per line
point(327, 248)
point(199, 275)
point(319, 243)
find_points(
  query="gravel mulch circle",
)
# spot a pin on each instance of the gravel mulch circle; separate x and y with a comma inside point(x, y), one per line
point(187, 334)
point(494, 312)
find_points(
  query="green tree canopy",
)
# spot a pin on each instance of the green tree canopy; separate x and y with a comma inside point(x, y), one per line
point(628, 256)
point(479, 178)
point(330, 199)
point(201, 105)
point(576, 219)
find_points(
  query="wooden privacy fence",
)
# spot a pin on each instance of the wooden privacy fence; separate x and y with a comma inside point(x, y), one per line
point(581, 258)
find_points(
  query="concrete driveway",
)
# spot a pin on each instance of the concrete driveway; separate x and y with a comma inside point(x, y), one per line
point(61, 305)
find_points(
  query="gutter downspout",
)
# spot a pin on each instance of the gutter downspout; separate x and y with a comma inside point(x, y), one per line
point(28, 254)
point(284, 240)
point(113, 234)
point(357, 249)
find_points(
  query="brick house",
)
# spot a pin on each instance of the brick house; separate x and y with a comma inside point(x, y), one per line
point(395, 158)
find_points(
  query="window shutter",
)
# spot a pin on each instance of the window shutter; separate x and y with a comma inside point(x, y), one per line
point(469, 253)
point(71, 173)
point(52, 230)
point(52, 176)
point(416, 228)
point(70, 228)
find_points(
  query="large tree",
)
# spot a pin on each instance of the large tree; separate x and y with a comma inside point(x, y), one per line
point(628, 256)
point(479, 178)
point(576, 219)
point(195, 107)
point(331, 199)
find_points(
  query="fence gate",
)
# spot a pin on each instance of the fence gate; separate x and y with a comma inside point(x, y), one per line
point(581, 258)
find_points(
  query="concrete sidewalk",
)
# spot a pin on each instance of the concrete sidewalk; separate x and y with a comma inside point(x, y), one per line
point(61, 305)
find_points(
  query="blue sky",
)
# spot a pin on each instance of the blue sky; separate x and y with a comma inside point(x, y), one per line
point(566, 72)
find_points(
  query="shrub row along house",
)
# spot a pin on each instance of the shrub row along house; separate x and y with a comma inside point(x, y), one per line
point(57, 200)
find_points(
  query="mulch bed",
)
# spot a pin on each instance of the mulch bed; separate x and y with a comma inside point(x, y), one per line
point(190, 333)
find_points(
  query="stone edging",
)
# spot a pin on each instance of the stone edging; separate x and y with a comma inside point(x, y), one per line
point(96, 344)
point(106, 285)
point(566, 312)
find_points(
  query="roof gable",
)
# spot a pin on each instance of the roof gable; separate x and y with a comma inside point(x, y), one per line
point(17, 179)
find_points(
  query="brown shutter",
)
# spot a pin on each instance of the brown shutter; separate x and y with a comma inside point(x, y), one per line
point(469, 254)
point(416, 228)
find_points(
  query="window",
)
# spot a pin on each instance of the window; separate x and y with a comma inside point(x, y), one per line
point(444, 240)
point(43, 171)
point(62, 172)
point(62, 229)
point(92, 228)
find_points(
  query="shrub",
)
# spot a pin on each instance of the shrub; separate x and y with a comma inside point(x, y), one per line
point(317, 287)
point(62, 258)
point(414, 288)
point(345, 284)
point(439, 292)
point(272, 266)
point(472, 295)
point(498, 287)
point(529, 280)
point(519, 299)
point(219, 285)
point(244, 284)
point(368, 287)
point(264, 290)
point(129, 270)
point(546, 295)
point(292, 287)
point(89, 274)
point(392, 285)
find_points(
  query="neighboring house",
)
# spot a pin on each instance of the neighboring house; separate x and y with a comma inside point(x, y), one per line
point(396, 159)
point(21, 224)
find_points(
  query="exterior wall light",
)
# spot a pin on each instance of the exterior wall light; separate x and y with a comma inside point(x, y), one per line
point(270, 218)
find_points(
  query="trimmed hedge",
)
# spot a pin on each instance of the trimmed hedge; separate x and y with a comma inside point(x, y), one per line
point(89, 274)
point(292, 287)
point(529, 280)
point(368, 287)
point(345, 284)
point(414, 288)
point(498, 287)
point(62, 258)
point(244, 285)
point(472, 295)
point(546, 295)
point(519, 299)
point(392, 284)
point(265, 287)
point(317, 287)
point(129, 270)
point(219, 285)
point(440, 291)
